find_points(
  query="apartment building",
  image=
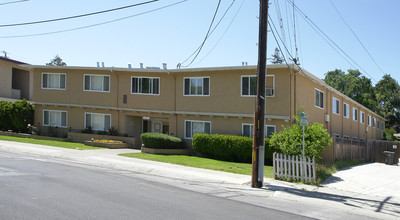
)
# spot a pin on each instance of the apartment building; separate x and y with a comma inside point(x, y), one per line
point(15, 81)
point(183, 102)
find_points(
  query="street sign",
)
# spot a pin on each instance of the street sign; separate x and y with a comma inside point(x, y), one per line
point(303, 119)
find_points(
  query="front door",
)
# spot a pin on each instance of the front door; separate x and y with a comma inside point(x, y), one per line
point(157, 127)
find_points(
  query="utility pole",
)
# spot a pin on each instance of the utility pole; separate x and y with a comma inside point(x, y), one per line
point(259, 114)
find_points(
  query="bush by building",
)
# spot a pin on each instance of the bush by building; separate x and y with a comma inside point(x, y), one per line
point(161, 141)
point(229, 147)
point(16, 116)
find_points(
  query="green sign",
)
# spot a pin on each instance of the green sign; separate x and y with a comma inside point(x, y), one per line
point(303, 119)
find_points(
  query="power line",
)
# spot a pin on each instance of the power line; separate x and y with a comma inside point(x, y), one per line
point(356, 37)
point(315, 27)
point(205, 38)
point(215, 45)
point(12, 2)
point(94, 25)
point(77, 16)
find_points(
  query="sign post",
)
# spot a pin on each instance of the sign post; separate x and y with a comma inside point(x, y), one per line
point(303, 122)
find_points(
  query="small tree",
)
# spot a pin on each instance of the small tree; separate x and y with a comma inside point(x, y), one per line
point(57, 61)
point(276, 57)
point(290, 140)
point(389, 134)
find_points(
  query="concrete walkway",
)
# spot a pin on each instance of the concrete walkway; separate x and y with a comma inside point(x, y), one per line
point(370, 190)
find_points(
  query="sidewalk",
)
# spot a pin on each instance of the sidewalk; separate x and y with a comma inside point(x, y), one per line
point(344, 192)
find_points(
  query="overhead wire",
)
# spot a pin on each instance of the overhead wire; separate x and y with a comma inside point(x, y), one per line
point(355, 35)
point(12, 2)
point(315, 27)
point(77, 16)
point(237, 12)
point(205, 38)
point(94, 25)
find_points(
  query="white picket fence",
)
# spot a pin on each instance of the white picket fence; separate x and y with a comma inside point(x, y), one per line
point(294, 167)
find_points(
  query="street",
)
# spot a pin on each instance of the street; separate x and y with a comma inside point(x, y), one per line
point(36, 188)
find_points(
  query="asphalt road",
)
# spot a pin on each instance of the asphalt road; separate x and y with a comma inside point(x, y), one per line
point(34, 187)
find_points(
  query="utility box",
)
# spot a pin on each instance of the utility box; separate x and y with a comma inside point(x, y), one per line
point(389, 157)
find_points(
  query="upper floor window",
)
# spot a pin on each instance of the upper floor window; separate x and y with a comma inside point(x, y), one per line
point(346, 110)
point(335, 106)
point(53, 81)
point(374, 123)
point(146, 85)
point(270, 85)
point(194, 127)
point(355, 114)
point(97, 83)
point(249, 85)
point(197, 86)
point(55, 118)
point(379, 123)
point(362, 117)
point(99, 122)
point(319, 98)
point(369, 120)
point(247, 130)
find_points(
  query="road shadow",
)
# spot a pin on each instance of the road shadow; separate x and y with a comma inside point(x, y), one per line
point(385, 205)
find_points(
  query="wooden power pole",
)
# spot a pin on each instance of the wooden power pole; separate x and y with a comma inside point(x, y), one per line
point(259, 114)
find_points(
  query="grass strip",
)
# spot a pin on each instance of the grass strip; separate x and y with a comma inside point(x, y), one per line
point(70, 145)
point(200, 162)
point(324, 171)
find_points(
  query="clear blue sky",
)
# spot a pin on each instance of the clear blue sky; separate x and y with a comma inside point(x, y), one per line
point(172, 34)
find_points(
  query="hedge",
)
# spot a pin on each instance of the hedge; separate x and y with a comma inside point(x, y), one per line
point(161, 141)
point(228, 147)
point(16, 116)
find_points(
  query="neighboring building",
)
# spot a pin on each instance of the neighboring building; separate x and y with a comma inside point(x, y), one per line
point(183, 102)
point(15, 81)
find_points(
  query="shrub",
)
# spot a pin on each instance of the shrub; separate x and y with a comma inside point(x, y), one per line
point(16, 115)
point(229, 147)
point(389, 134)
point(290, 140)
point(113, 131)
point(87, 130)
point(161, 141)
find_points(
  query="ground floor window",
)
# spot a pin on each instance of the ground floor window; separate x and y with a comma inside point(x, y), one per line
point(194, 127)
point(100, 122)
point(54, 118)
point(247, 130)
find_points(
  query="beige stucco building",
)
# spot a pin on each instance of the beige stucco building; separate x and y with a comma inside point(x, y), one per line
point(15, 81)
point(182, 102)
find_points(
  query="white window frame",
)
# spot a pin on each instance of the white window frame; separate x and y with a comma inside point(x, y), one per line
point(347, 107)
point(362, 117)
point(59, 74)
point(323, 98)
point(191, 131)
point(241, 85)
point(335, 106)
point(354, 138)
point(202, 86)
point(55, 125)
point(99, 114)
point(346, 137)
point(151, 85)
point(355, 114)
point(369, 120)
point(273, 85)
point(251, 129)
point(91, 90)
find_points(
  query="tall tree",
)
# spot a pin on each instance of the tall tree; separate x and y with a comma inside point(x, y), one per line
point(57, 61)
point(277, 57)
point(353, 85)
point(388, 101)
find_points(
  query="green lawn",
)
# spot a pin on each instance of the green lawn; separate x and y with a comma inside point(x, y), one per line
point(70, 145)
point(199, 162)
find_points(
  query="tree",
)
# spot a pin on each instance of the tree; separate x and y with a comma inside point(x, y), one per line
point(57, 61)
point(388, 101)
point(290, 140)
point(353, 85)
point(276, 57)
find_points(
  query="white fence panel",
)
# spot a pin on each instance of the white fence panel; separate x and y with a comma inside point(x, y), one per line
point(294, 167)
